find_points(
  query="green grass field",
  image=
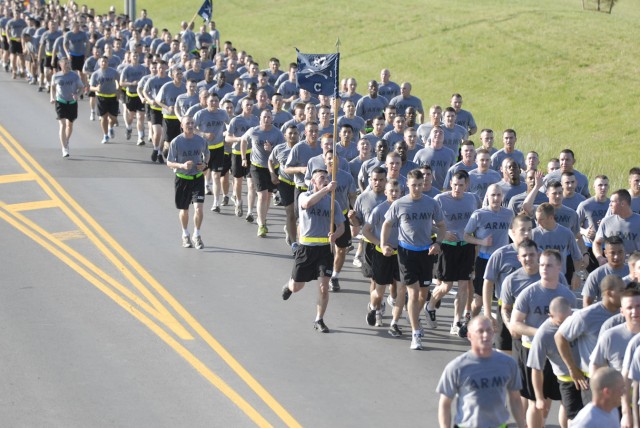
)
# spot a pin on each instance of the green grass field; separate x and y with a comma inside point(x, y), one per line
point(562, 77)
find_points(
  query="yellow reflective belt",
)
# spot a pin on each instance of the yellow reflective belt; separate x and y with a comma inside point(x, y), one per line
point(284, 180)
point(378, 249)
point(168, 116)
point(48, 54)
point(238, 152)
point(155, 108)
point(216, 146)
point(105, 95)
point(188, 177)
point(526, 345)
point(345, 211)
point(307, 239)
point(131, 94)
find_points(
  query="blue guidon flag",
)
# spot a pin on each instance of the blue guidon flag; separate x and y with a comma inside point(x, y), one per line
point(206, 10)
point(318, 73)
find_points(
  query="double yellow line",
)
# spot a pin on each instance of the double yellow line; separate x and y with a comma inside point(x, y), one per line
point(155, 307)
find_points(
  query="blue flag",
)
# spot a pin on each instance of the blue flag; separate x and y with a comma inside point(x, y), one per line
point(318, 73)
point(206, 10)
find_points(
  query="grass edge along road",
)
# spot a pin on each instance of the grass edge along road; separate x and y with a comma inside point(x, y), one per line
point(560, 76)
point(150, 311)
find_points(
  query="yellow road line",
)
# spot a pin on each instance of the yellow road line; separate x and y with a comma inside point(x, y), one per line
point(162, 334)
point(14, 178)
point(69, 234)
point(36, 205)
point(71, 208)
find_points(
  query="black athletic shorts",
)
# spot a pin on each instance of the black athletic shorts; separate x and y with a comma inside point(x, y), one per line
point(570, 269)
point(15, 47)
point(216, 159)
point(344, 241)
point(133, 104)
point(593, 262)
point(415, 266)
point(261, 178)
point(478, 280)
point(311, 262)
point(226, 164)
point(48, 61)
point(108, 105)
point(367, 260)
point(455, 262)
point(550, 385)
point(237, 169)
point(571, 398)
point(171, 128)
point(54, 62)
point(296, 195)
point(502, 338)
point(77, 62)
point(385, 269)
point(156, 117)
point(5, 43)
point(286, 191)
point(189, 191)
point(67, 111)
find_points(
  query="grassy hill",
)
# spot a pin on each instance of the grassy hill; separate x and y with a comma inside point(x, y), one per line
point(561, 76)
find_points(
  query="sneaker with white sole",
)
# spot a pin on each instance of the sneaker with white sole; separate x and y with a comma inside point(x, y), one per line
point(249, 218)
point(357, 261)
point(65, 153)
point(225, 200)
point(105, 139)
point(391, 301)
point(379, 319)
point(112, 133)
point(416, 343)
point(371, 316)
point(455, 328)
point(394, 330)
point(197, 242)
point(92, 115)
point(320, 326)
point(430, 319)
point(186, 241)
point(334, 284)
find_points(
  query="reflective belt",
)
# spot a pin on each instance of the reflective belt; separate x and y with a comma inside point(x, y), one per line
point(485, 256)
point(309, 240)
point(131, 94)
point(455, 244)
point(304, 189)
point(155, 108)
point(61, 101)
point(238, 152)
point(569, 378)
point(378, 249)
point(48, 54)
point(188, 177)
point(168, 116)
point(413, 247)
point(258, 166)
point(105, 95)
point(345, 211)
point(284, 180)
point(216, 146)
point(526, 344)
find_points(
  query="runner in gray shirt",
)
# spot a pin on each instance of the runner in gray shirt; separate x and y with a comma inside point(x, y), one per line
point(466, 164)
point(543, 349)
point(262, 140)
point(405, 99)
point(488, 229)
point(66, 87)
point(416, 214)
point(614, 252)
point(501, 263)
point(372, 105)
point(454, 134)
point(570, 197)
point(590, 213)
point(438, 157)
point(612, 344)
point(622, 222)
point(482, 379)
point(509, 140)
point(483, 176)
point(567, 160)
point(550, 234)
point(584, 327)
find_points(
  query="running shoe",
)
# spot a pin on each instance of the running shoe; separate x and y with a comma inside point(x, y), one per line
point(334, 284)
point(357, 261)
point(249, 218)
point(154, 156)
point(197, 242)
point(141, 142)
point(416, 343)
point(105, 139)
point(239, 211)
point(225, 201)
point(286, 292)
point(431, 319)
point(394, 330)
point(262, 231)
point(160, 158)
point(186, 241)
point(391, 301)
point(320, 326)
point(65, 153)
point(378, 318)
point(455, 328)
point(128, 134)
point(371, 316)
point(208, 191)
point(112, 133)
point(462, 332)
point(92, 115)
point(215, 209)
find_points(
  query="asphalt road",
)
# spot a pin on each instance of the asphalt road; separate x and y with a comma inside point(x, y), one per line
point(106, 321)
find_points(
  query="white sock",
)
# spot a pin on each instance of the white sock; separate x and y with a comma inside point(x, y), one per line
point(196, 232)
point(185, 232)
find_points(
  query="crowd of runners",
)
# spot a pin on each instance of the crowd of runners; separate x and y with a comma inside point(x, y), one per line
point(426, 208)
